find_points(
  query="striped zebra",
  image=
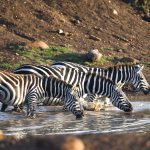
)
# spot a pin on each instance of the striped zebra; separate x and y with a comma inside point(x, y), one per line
point(120, 75)
point(16, 89)
point(88, 83)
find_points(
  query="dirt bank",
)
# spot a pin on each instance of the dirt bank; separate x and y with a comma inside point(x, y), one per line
point(89, 142)
point(119, 29)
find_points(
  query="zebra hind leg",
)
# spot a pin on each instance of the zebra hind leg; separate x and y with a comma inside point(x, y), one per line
point(3, 108)
point(18, 109)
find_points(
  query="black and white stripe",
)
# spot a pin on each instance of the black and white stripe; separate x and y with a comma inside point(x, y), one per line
point(16, 89)
point(86, 81)
point(120, 75)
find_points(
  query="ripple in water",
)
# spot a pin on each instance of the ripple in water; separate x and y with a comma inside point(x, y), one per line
point(48, 122)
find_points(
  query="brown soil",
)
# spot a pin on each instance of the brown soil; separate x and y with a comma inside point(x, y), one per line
point(122, 35)
point(126, 33)
point(90, 142)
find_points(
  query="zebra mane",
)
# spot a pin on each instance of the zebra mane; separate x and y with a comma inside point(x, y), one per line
point(120, 66)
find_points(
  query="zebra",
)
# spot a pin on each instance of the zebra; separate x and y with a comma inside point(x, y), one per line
point(120, 74)
point(16, 89)
point(75, 78)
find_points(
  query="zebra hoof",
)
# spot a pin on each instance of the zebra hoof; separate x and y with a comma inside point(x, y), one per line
point(31, 115)
point(2, 110)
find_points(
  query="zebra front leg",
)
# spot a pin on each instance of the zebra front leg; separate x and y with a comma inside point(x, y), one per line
point(31, 108)
point(124, 105)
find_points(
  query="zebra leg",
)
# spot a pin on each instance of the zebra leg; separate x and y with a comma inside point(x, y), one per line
point(3, 108)
point(31, 108)
point(18, 108)
point(126, 106)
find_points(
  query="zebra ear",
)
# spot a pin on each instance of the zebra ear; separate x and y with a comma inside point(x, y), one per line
point(142, 66)
point(139, 68)
point(120, 84)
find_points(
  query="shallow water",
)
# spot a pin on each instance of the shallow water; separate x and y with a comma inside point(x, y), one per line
point(55, 121)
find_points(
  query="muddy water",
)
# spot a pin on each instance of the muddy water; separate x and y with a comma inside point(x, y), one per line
point(52, 120)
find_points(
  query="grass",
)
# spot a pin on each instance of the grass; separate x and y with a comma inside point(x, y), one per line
point(31, 55)
point(141, 5)
point(105, 60)
point(8, 66)
point(146, 63)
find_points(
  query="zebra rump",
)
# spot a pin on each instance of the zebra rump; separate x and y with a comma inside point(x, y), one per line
point(30, 89)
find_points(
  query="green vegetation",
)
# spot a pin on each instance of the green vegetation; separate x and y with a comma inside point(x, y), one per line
point(146, 63)
point(105, 60)
point(31, 55)
point(8, 66)
point(141, 5)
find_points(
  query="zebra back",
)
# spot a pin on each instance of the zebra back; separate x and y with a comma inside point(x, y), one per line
point(120, 74)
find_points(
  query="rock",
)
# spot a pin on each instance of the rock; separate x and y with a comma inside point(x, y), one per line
point(61, 32)
point(115, 12)
point(93, 37)
point(93, 55)
point(38, 44)
point(72, 143)
point(75, 21)
point(2, 136)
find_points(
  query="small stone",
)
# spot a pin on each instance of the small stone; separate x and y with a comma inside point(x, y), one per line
point(93, 37)
point(60, 31)
point(115, 12)
point(38, 44)
point(73, 143)
point(75, 21)
point(93, 55)
point(119, 50)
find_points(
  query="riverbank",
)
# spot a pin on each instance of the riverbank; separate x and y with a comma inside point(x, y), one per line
point(81, 142)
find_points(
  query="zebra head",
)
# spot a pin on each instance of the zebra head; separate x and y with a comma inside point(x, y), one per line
point(138, 79)
point(120, 100)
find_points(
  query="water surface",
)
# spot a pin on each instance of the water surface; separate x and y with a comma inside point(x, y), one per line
point(51, 120)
